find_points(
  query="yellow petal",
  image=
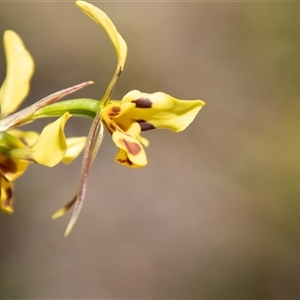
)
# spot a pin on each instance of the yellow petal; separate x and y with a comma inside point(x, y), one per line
point(10, 167)
point(63, 210)
point(50, 147)
point(135, 152)
point(20, 68)
point(9, 141)
point(123, 159)
point(75, 146)
point(143, 141)
point(159, 110)
point(119, 44)
point(27, 137)
point(102, 19)
point(6, 199)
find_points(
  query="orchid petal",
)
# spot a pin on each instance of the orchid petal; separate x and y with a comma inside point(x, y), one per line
point(10, 141)
point(135, 152)
point(74, 148)
point(63, 210)
point(20, 68)
point(50, 147)
point(159, 110)
point(27, 137)
point(118, 42)
point(145, 142)
point(6, 199)
point(102, 19)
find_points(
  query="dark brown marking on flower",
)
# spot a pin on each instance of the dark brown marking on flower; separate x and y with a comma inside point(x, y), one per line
point(110, 126)
point(119, 72)
point(114, 111)
point(114, 85)
point(125, 161)
point(7, 165)
point(145, 125)
point(8, 198)
point(23, 141)
point(142, 103)
point(70, 204)
point(132, 148)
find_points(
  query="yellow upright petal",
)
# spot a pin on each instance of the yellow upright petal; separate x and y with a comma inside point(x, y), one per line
point(119, 44)
point(50, 147)
point(159, 110)
point(75, 146)
point(102, 19)
point(20, 67)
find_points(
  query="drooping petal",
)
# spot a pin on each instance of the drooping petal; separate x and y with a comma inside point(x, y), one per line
point(6, 200)
point(133, 149)
point(63, 210)
point(143, 141)
point(126, 136)
point(123, 159)
point(159, 110)
point(12, 168)
point(20, 68)
point(119, 44)
point(50, 147)
point(74, 148)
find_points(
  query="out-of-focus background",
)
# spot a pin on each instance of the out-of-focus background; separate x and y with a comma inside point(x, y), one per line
point(216, 213)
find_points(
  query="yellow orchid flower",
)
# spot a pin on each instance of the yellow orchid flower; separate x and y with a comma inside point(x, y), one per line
point(18, 148)
point(138, 112)
point(126, 119)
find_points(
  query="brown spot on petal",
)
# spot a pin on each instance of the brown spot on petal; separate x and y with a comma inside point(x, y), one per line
point(142, 103)
point(120, 71)
point(114, 111)
point(6, 195)
point(7, 166)
point(23, 141)
point(145, 125)
point(125, 161)
point(132, 148)
point(111, 127)
point(8, 198)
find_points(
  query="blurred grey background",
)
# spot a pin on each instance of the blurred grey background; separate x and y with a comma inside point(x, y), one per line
point(216, 213)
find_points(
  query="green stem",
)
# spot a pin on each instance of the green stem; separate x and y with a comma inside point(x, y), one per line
point(83, 107)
